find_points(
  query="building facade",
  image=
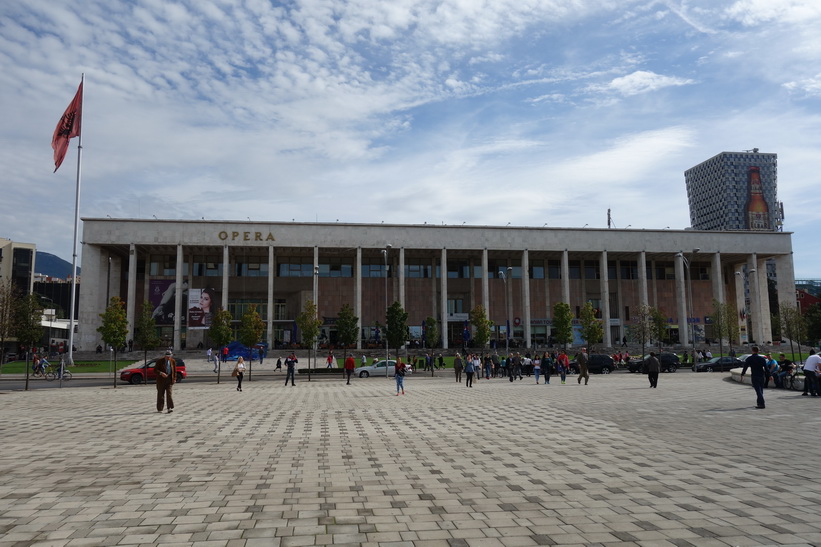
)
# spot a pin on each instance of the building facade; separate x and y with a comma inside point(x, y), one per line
point(186, 270)
point(735, 191)
point(17, 263)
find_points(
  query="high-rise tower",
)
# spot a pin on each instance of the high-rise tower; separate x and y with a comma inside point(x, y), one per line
point(735, 191)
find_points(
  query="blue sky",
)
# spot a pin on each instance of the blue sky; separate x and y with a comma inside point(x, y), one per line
point(409, 111)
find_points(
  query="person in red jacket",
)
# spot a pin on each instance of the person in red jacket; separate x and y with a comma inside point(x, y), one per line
point(350, 364)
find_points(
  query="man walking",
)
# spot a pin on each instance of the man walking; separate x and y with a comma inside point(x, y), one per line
point(653, 369)
point(758, 375)
point(290, 368)
point(350, 365)
point(165, 369)
point(581, 360)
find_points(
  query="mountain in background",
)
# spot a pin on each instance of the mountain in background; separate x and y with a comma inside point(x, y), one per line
point(53, 266)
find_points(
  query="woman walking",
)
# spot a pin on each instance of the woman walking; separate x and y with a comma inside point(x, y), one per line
point(470, 368)
point(537, 367)
point(399, 375)
point(239, 372)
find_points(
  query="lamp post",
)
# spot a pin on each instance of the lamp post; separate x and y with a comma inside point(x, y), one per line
point(387, 354)
point(504, 277)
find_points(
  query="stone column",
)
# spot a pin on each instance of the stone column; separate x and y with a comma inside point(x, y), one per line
point(756, 323)
point(178, 309)
point(716, 278)
point(443, 272)
point(605, 299)
point(226, 265)
point(565, 277)
point(526, 297)
point(681, 301)
point(269, 327)
point(785, 282)
point(357, 301)
point(131, 304)
point(485, 283)
point(764, 302)
point(642, 266)
point(401, 277)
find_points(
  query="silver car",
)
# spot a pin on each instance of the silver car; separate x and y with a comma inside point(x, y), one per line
point(378, 369)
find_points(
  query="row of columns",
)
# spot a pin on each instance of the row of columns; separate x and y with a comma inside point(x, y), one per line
point(759, 302)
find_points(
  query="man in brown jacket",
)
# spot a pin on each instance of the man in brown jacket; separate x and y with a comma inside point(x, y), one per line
point(165, 369)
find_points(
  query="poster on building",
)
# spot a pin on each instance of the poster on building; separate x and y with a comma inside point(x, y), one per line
point(161, 296)
point(201, 306)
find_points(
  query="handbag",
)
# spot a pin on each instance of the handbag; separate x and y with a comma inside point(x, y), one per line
point(235, 373)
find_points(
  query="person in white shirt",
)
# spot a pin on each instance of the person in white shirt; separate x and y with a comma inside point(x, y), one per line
point(811, 367)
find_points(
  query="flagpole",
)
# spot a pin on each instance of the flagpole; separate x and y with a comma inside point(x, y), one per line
point(76, 238)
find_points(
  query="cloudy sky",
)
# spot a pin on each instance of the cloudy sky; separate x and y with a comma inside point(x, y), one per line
point(486, 112)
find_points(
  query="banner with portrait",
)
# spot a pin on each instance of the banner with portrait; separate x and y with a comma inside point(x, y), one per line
point(202, 303)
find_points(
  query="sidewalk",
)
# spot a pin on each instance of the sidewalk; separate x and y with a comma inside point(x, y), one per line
point(322, 463)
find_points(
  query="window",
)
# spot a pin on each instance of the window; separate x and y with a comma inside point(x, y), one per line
point(251, 267)
point(575, 270)
point(554, 269)
point(295, 269)
point(458, 270)
point(591, 269)
point(163, 265)
point(374, 270)
point(455, 305)
point(629, 269)
point(417, 271)
point(336, 268)
point(537, 269)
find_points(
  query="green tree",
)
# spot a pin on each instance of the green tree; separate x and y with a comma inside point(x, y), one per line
point(592, 329)
point(641, 329)
point(793, 325)
point(431, 332)
point(114, 328)
point(397, 326)
point(220, 334)
point(309, 323)
point(145, 333)
point(482, 327)
point(562, 324)
point(251, 327)
point(347, 329)
point(720, 324)
point(813, 318)
point(27, 325)
point(658, 326)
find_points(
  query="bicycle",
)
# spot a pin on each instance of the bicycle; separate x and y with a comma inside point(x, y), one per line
point(53, 372)
point(788, 382)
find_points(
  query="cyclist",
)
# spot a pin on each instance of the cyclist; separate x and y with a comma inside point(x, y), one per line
point(39, 365)
point(786, 368)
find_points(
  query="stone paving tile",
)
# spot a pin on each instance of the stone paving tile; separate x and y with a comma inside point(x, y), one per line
point(607, 464)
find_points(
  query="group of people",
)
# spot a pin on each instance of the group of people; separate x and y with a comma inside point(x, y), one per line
point(518, 366)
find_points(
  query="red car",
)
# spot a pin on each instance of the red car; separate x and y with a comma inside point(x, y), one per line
point(136, 375)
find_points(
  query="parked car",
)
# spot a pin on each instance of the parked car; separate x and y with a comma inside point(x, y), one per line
point(596, 364)
point(136, 375)
point(720, 364)
point(378, 369)
point(10, 356)
point(669, 363)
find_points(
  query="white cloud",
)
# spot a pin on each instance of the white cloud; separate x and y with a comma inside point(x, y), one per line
point(640, 81)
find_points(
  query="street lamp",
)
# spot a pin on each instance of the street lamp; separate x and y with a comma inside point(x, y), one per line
point(507, 309)
point(387, 354)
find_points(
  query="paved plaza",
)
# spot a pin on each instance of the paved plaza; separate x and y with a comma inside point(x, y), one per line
point(322, 463)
